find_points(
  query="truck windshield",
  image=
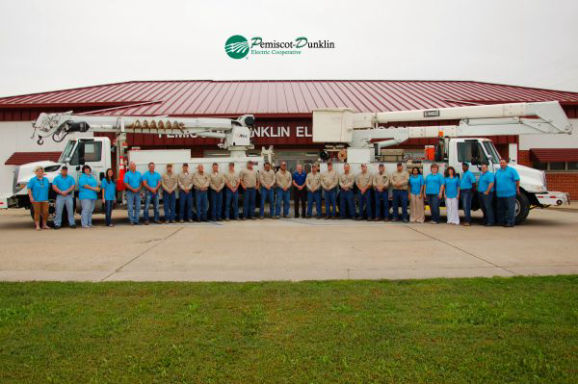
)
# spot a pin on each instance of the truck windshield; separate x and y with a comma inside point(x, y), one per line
point(67, 153)
point(492, 152)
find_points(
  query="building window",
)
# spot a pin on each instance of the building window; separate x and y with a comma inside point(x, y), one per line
point(557, 166)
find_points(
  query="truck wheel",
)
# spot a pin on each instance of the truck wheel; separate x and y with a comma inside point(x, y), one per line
point(522, 208)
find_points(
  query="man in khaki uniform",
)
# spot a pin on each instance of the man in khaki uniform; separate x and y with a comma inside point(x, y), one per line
point(169, 184)
point(232, 183)
point(267, 183)
point(185, 181)
point(381, 189)
point(400, 181)
point(201, 182)
point(250, 183)
point(283, 180)
point(313, 183)
point(216, 185)
point(329, 182)
point(363, 182)
point(346, 183)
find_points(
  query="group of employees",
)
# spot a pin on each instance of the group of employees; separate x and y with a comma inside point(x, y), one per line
point(214, 195)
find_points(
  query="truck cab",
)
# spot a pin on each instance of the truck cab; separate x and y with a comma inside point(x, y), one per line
point(93, 151)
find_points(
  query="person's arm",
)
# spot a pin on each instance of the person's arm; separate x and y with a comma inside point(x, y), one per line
point(30, 195)
point(102, 193)
point(490, 186)
point(70, 189)
point(57, 190)
point(442, 189)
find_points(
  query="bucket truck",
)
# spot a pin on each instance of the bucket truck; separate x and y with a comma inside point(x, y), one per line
point(97, 151)
point(365, 134)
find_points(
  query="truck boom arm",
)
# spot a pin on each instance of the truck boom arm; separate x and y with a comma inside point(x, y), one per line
point(59, 125)
point(358, 129)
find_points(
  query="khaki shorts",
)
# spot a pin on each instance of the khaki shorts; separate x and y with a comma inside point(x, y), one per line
point(40, 209)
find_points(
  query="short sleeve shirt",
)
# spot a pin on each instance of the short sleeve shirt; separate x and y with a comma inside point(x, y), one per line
point(506, 182)
point(63, 183)
point(452, 184)
point(467, 180)
point(83, 192)
point(433, 183)
point(415, 184)
point(134, 179)
point(153, 179)
point(39, 188)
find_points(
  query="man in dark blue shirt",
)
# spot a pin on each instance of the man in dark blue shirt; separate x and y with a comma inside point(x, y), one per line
point(299, 190)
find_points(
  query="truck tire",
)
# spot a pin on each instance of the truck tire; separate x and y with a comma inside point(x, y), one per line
point(522, 208)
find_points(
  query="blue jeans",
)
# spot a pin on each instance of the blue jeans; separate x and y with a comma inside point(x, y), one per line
point(86, 213)
point(185, 205)
point(507, 210)
point(466, 197)
point(382, 198)
point(346, 205)
point(170, 205)
point(330, 202)
point(155, 199)
point(133, 206)
point(434, 206)
point(249, 203)
point(400, 196)
point(311, 197)
point(231, 202)
point(285, 197)
point(365, 205)
point(267, 194)
point(108, 204)
point(201, 203)
point(61, 202)
point(216, 199)
point(487, 203)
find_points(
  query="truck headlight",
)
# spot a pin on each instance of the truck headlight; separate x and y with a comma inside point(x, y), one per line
point(20, 186)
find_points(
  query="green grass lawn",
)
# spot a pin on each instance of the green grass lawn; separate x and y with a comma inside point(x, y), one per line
point(522, 330)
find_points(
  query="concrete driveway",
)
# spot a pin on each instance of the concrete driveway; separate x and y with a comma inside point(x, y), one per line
point(292, 249)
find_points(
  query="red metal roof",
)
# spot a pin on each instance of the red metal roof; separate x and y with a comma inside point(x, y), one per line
point(19, 158)
point(550, 155)
point(279, 97)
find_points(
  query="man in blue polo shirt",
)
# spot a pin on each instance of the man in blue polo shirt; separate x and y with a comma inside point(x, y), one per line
point(133, 183)
point(151, 181)
point(507, 187)
point(486, 195)
point(63, 185)
point(299, 190)
point(467, 184)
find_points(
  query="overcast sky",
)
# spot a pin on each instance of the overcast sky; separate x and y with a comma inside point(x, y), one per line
point(47, 45)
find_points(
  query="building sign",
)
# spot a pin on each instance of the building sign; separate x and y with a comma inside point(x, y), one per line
point(265, 132)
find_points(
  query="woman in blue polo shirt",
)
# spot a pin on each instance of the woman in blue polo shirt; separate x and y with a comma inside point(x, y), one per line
point(416, 192)
point(452, 195)
point(38, 188)
point(87, 194)
point(433, 190)
point(108, 186)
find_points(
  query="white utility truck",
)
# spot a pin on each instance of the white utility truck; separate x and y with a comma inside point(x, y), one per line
point(97, 152)
point(364, 135)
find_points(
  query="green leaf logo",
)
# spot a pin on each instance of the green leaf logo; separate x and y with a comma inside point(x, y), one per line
point(237, 47)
